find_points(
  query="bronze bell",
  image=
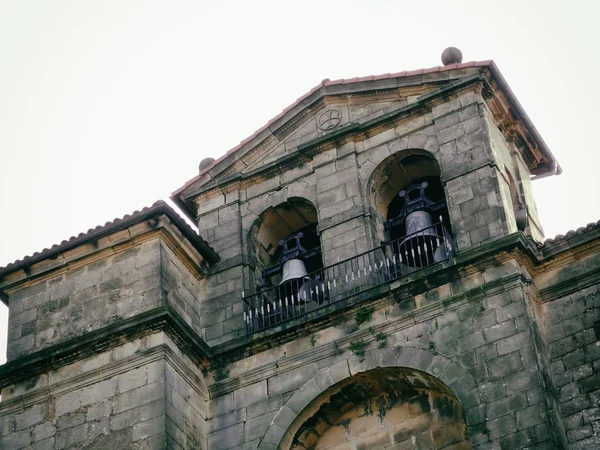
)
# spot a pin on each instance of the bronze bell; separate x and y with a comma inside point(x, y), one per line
point(295, 281)
point(422, 245)
point(292, 269)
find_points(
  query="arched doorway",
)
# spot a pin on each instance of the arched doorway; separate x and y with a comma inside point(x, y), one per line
point(383, 408)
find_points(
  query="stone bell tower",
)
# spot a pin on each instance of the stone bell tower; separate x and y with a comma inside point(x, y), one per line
point(370, 274)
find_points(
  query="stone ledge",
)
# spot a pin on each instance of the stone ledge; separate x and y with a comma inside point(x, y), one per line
point(163, 319)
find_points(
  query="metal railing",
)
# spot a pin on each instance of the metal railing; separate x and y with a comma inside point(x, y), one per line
point(384, 264)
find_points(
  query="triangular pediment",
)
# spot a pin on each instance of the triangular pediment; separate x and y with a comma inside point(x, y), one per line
point(331, 109)
point(322, 111)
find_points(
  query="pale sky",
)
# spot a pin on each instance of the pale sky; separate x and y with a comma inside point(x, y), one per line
point(107, 106)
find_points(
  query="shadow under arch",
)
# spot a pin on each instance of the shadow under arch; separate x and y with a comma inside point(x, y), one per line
point(406, 389)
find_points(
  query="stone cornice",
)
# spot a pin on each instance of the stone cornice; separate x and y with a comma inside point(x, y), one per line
point(159, 220)
point(161, 352)
point(95, 342)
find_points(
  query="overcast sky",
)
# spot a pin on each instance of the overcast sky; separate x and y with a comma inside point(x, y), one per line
point(107, 106)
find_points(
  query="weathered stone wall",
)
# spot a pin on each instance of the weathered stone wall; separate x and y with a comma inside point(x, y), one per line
point(568, 328)
point(110, 400)
point(144, 394)
point(180, 286)
point(510, 163)
point(186, 407)
point(66, 305)
point(221, 308)
point(473, 334)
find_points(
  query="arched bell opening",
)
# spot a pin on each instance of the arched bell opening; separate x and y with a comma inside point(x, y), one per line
point(283, 233)
point(381, 408)
point(410, 212)
point(286, 254)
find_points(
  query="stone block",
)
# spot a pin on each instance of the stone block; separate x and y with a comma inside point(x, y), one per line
point(43, 431)
point(521, 439)
point(140, 396)
point(493, 390)
point(506, 405)
point(576, 405)
point(256, 427)
point(501, 426)
point(248, 395)
point(521, 381)
point(71, 436)
point(531, 416)
point(220, 405)
point(70, 420)
point(504, 365)
point(290, 380)
point(18, 439)
point(578, 434)
point(471, 341)
point(514, 342)
point(30, 417)
point(232, 437)
point(99, 410)
point(141, 413)
point(148, 428)
point(226, 420)
point(500, 331)
point(131, 379)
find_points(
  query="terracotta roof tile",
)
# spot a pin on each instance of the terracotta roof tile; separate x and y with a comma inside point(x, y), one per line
point(448, 67)
point(81, 237)
point(381, 77)
point(432, 69)
point(579, 231)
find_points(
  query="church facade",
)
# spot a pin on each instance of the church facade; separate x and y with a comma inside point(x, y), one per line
point(370, 273)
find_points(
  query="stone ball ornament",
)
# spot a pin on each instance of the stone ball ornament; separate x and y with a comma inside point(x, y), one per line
point(205, 163)
point(451, 55)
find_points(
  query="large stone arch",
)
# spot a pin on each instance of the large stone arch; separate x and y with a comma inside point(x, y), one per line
point(301, 405)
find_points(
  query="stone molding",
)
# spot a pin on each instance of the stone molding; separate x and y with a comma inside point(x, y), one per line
point(161, 352)
point(99, 341)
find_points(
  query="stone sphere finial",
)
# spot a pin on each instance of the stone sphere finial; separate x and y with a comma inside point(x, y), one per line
point(451, 55)
point(206, 162)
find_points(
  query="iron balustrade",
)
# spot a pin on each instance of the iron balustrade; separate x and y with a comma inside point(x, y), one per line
point(384, 264)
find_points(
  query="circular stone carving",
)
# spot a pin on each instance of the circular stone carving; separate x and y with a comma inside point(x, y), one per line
point(330, 119)
point(451, 55)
